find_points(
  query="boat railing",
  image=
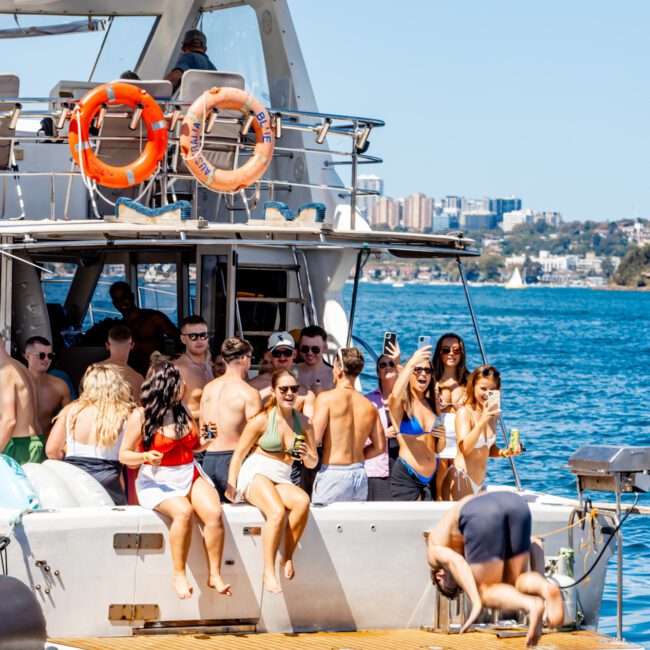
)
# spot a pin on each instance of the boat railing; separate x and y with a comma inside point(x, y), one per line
point(354, 130)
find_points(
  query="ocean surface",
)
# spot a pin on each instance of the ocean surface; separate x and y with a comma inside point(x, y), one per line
point(574, 368)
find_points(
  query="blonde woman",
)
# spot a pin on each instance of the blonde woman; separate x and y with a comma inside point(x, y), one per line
point(264, 478)
point(88, 432)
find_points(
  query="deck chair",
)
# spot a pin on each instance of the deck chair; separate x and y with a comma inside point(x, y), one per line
point(220, 145)
point(121, 152)
point(9, 87)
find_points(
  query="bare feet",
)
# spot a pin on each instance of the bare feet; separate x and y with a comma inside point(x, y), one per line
point(535, 616)
point(554, 606)
point(182, 586)
point(271, 583)
point(289, 571)
point(216, 582)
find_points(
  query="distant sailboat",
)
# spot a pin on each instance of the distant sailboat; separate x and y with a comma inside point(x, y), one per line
point(516, 281)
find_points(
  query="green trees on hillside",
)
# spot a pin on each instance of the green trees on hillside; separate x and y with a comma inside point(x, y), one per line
point(634, 269)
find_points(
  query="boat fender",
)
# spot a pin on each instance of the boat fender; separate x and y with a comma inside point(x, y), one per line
point(52, 490)
point(88, 491)
point(192, 134)
point(16, 492)
point(152, 117)
point(307, 213)
point(22, 624)
point(561, 572)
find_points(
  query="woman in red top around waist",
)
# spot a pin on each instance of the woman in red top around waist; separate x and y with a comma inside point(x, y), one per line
point(161, 436)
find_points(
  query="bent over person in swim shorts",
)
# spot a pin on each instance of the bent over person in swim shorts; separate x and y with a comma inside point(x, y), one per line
point(482, 546)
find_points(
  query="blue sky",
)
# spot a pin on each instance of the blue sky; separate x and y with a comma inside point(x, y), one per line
point(547, 100)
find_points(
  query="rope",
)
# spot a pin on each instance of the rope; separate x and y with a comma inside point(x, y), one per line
point(591, 515)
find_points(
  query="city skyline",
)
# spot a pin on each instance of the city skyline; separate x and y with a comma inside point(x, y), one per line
point(543, 101)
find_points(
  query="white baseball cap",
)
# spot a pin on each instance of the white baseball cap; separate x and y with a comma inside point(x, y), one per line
point(281, 340)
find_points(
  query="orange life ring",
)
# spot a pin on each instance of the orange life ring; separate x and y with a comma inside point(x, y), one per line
point(226, 180)
point(129, 95)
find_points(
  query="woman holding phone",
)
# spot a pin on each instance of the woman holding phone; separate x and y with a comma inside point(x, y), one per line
point(476, 426)
point(379, 468)
point(421, 434)
point(450, 379)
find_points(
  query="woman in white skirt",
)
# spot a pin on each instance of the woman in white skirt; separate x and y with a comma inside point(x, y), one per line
point(277, 435)
point(161, 437)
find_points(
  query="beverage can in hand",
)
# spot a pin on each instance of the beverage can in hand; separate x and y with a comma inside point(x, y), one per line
point(298, 440)
point(514, 439)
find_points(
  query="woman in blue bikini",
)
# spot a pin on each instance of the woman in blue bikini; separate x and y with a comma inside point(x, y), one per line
point(413, 410)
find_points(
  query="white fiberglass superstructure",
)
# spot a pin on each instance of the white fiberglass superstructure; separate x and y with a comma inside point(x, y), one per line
point(249, 267)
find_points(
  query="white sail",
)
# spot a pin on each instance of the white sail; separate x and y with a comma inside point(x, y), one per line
point(515, 281)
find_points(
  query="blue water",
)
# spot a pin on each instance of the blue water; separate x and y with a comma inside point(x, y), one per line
point(574, 368)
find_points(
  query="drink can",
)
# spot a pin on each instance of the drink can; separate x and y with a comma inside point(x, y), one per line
point(298, 440)
point(514, 439)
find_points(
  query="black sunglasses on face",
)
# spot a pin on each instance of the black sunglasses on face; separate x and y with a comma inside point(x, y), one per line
point(455, 349)
point(486, 372)
point(418, 369)
point(43, 355)
point(192, 336)
point(282, 352)
point(384, 364)
point(305, 349)
point(285, 389)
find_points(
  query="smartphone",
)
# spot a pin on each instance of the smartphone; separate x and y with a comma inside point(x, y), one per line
point(208, 433)
point(389, 337)
point(494, 397)
point(423, 341)
point(439, 421)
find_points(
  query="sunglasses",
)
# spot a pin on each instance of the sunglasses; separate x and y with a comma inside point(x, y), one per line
point(386, 364)
point(455, 349)
point(486, 372)
point(282, 352)
point(43, 355)
point(285, 389)
point(419, 369)
point(314, 349)
point(193, 336)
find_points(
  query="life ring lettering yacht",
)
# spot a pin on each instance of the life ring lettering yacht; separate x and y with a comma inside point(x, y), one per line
point(228, 187)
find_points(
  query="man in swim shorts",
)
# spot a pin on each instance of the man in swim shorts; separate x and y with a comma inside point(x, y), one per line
point(20, 435)
point(313, 371)
point(52, 393)
point(344, 420)
point(227, 403)
point(482, 546)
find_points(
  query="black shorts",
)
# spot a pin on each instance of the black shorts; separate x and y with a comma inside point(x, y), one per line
point(379, 488)
point(405, 486)
point(216, 465)
point(495, 526)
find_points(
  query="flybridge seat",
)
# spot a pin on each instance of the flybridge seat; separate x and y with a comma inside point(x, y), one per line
point(117, 153)
point(220, 145)
point(9, 88)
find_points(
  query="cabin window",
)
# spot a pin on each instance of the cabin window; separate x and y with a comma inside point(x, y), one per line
point(235, 45)
point(126, 38)
point(157, 289)
point(214, 270)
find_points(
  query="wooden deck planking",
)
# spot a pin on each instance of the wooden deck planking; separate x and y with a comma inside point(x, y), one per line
point(371, 640)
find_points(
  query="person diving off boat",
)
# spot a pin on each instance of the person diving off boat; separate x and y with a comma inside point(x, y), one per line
point(482, 546)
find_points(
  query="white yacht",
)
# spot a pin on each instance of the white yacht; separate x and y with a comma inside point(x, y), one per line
point(250, 262)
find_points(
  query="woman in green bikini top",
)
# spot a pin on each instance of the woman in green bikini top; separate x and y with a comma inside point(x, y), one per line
point(260, 472)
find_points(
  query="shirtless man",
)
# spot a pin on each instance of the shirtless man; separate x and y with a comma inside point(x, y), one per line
point(227, 404)
point(194, 364)
point(313, 371)
point(52, 392)
point(482, 546)
point(19, 431)
point(148, 326)
point(119, 346)
point(283, 352)
point(344, 420)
